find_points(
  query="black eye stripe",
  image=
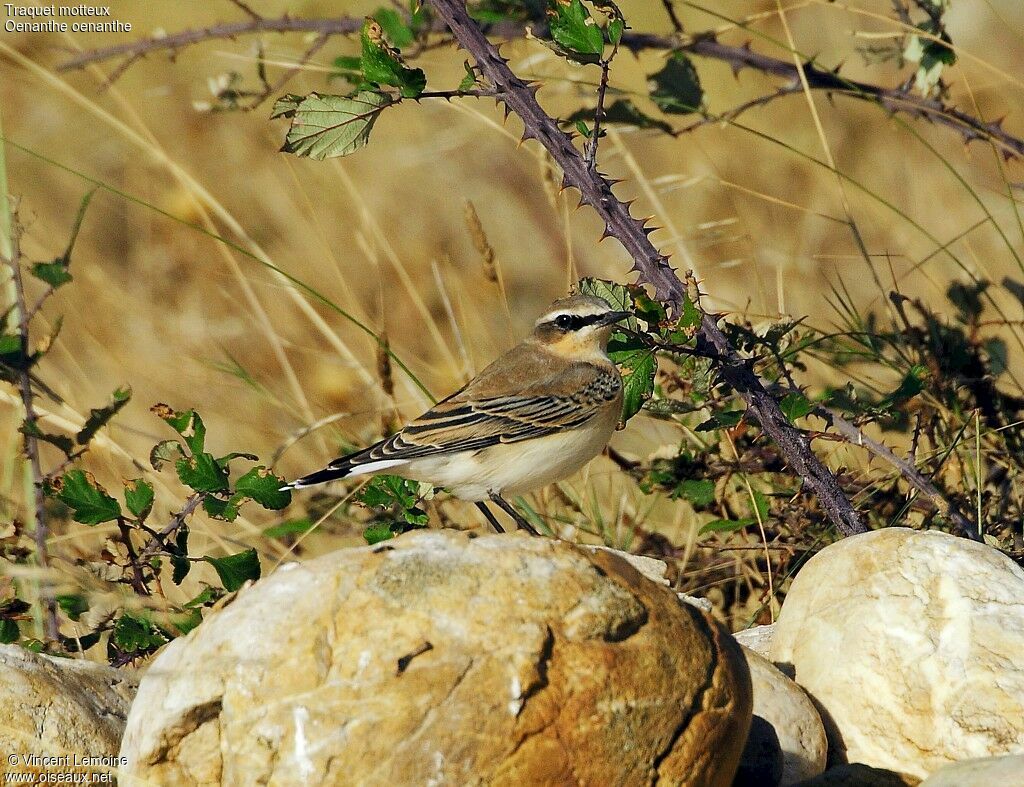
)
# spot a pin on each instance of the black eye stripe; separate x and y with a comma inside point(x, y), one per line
point(573, 322)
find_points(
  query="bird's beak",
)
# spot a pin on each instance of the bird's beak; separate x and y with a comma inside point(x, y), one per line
point(614, 317)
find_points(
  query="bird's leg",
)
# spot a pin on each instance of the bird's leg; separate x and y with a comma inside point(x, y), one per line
point(507, 507)
point(490, 517)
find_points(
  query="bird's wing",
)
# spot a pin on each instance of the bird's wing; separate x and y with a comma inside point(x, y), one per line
point(469, 421)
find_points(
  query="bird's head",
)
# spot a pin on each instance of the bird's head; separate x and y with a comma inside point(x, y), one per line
point(577, 327)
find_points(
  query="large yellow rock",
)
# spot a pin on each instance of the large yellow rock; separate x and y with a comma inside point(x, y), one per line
point(60, 716)
point(912, 643)
point(437, 658)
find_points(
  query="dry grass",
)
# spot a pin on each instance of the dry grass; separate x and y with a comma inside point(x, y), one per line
point(170, 310)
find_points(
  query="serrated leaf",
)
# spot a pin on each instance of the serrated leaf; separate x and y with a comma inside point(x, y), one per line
point(725, 525)
point(395, 28)
point(383, 65)
point(615, 295)
point(676, 88)
point(699, 491)
point(330, 126)
point(74, 605)
point(201, 473)
point(187, 423)
point(264, 487)
point(795, 405)
point(136, 633)
point(287, 105)
point(574, 31)
point(293, 527)
point(138, 496)
point(235, 570)
point(89, 502)
point(219, 508)
point(165, 451)
point(54, 273)
point(346, 67)
point(638, 372)
point(99, 417)
point(227, 459)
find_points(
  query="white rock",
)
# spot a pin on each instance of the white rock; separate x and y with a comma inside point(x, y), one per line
point(912, 643)
point(987, 772)
point(785, 706)
point(757, 638)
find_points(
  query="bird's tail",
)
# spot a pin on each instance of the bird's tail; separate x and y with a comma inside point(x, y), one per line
point(359, 463)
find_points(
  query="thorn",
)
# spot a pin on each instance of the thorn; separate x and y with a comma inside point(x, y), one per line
point(998, 124)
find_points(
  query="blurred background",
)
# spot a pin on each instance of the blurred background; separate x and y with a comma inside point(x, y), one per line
point(188, 320)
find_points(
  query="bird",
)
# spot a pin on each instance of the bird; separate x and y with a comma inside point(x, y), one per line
point(535, 415)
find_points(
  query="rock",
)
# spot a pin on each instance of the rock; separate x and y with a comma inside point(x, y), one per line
point(911, 642)
point(1005, 771)
point(655, 570)
point(59, 707)
point(761, 762)
point(757, 638)
point(440, 658)
point(793, 717)
point(860, 775)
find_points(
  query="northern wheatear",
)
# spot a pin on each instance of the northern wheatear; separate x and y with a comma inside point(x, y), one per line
point(536, 415)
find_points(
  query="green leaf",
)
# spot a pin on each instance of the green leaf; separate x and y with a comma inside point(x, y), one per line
point(725, 525)
point(395, 28)
point(165, 451)
point(292, 527)
point(9, 344)
point(227, 459)
point(219, 508)
point(699, 491)
point(615, 28)
point(398, 493)
point(9, 631)
point(134, 632)
point(88, 501)
point(138, 496)
point(180, 564)
point(638, 371)
point(99, 417)
point(264, 487)
point(288, 104)
point(615, 295)
point(202, 473)
point(762, 504)
point(74, 604)
point(795, 405)
point(329, 126)
point(676, 88)
point(910, 386)
point(345, 67)
point(376, 533)
point(54, 273)
point(720, 420)
point(469, 81)
point(383, 65)
point(581, 126)
point(187, 423)
point(574, 31)
point(235, 570)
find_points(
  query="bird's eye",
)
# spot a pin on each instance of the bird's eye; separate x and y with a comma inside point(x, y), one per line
point(563, 321)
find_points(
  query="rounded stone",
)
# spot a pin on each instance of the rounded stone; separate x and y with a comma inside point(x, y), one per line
point(440, 658)
point(911, 642)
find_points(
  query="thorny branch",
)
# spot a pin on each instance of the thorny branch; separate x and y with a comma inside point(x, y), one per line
point(706, 45)
point(159, 539)
point(650, 264)
point(25, 383)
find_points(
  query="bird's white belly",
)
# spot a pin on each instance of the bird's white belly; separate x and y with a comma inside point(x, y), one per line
point(513, 468)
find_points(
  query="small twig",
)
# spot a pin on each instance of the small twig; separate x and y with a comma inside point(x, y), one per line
point(156, 544)
point(138, 580)
point(271, 89)
point(24, 375)
point(246, 9)
point(602, 89)
point(673, 17)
